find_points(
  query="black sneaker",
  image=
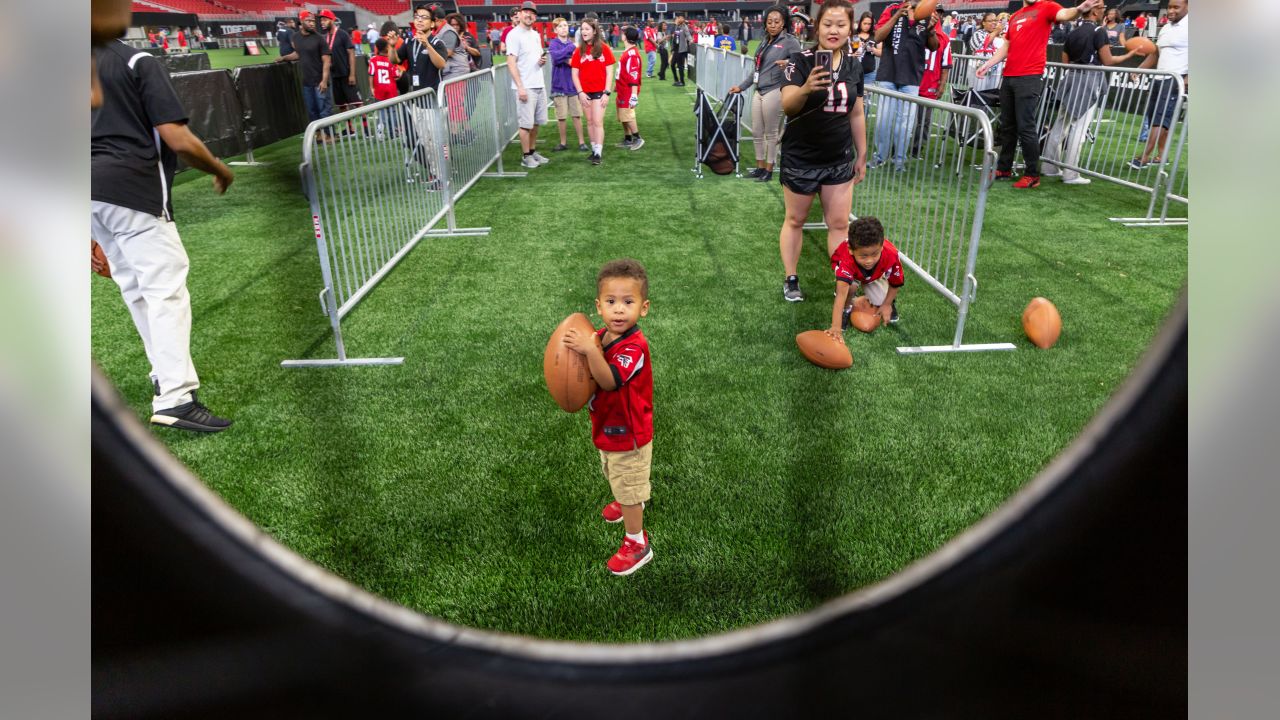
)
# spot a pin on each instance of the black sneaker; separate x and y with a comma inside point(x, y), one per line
point(625, 144)
point(636, 143)
point(893, 316)
point(766, 176)
point(846, 318)
point(755, 173)
point(582, 147)
point(560, 148)
point(596, 159)
point(191, 416)
point(791, 290)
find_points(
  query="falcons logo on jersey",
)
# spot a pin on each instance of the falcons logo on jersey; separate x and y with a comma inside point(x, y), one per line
point(789, 71)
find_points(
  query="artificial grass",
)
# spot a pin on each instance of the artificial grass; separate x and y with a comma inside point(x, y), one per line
point(455, 486)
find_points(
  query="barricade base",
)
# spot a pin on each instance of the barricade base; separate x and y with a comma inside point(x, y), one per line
point(983, 347)
point(1151, 222)
point(458, 232)
point(503, 174)
point(335, 362)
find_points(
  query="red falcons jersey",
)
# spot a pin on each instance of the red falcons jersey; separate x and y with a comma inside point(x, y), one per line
point(650, 39)
point(382, 78)
point(848, 269)
point(622, 419)
point(628, 77)
point(934, 62)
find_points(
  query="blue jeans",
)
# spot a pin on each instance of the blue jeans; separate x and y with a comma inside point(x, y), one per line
point(895, 120)
point(319, 104)
point(653, 60)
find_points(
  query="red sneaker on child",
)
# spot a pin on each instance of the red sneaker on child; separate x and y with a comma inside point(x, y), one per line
point(631, 556)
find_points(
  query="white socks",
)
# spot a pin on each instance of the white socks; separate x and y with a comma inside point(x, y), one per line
point(637, 538)
point(597, 148)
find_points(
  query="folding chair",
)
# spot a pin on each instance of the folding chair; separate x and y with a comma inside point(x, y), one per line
point(717, 134)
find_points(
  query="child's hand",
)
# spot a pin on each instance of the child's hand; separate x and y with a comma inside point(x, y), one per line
point(581, 343)
point(836, 334)
point(885, 312)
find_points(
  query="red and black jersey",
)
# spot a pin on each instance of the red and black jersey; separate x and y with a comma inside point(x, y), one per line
point(820, 135)
point(848, 269)
point(628, 77)
point(622, 419)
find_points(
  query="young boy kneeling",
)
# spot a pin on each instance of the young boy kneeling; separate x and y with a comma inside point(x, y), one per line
point(866, 261)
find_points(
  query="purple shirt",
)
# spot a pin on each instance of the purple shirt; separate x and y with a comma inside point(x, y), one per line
point(561, 74)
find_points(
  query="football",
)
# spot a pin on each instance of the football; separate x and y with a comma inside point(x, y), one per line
point(568, 377)
point(823, 351)
point(864, 316)
point(1140, 45)
point(100, 257)
point(925, 8)
point(1042, 323)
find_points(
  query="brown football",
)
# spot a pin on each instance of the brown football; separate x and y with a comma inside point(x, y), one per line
point(1140, 45)
point(925, 8)
point(821, 350)
point(102, 258)
point(568, 377)
point(864, 316)
point(1042, 323)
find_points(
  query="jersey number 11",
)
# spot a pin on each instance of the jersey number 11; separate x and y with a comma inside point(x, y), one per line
point(831, 105)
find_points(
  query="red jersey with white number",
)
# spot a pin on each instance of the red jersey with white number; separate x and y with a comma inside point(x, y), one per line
point(622, 419)
point(650, 39)
point(628, 77)
point(847, 269)
point(382, 78)
point(934, 62)
point(1028, 38)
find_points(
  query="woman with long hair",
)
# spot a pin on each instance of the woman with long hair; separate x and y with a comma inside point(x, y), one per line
point(664, 53)
point(985, 42)
point(824, 151)
point(1115, 28)
point(867, 47)
point(772, 55)
point(593, 81)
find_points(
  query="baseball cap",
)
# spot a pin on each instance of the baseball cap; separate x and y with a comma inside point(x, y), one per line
point(304, 14)
point(328, 14)
point(528, 5)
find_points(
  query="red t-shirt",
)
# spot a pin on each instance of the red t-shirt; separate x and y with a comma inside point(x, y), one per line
point(1140, 22)
point(357, 37)
point(628, 77)
point(848, 269)
point(650, 35)
point(622, 419)
point(382, 78)
point(934, 62)
point(1028, 38)
point(592, 71)
point(506, 30)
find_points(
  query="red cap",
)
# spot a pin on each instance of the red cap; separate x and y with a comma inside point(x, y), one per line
point(328, 14)
point(304, 14)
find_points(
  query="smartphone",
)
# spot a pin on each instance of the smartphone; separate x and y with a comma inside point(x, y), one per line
point(822, 59)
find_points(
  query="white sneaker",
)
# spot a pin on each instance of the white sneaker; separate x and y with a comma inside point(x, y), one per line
point(528, 162)
point(539, 158)
point(1077, 181)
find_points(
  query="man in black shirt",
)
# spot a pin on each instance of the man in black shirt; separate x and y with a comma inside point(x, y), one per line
point(138, 134)
point(312, 53)
point(284, 36)
point(903, 41)
point(342, 61)
point(426, 56)
point(1078, 94)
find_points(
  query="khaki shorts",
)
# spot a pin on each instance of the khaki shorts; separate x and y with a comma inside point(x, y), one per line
point(534, 110)
point(567, 105)
point(875, 292)
point(628, 473)
point(626, 114)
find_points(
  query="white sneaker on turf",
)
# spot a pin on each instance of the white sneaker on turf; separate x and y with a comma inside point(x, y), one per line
point(538, 157)
point(1077, 181)
point(528, 162)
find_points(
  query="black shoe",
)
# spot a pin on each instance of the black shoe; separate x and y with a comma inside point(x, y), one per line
point(755, 173)
point(582, 147)
point(893, 316)
point(560, 148)
point(596, 159)
point(679, 84)
point(155, 385)
point(766, 177)
point(845, 318)
point(791, 290)
point(190, 416)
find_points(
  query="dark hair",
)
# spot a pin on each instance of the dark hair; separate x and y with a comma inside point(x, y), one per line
point(625, 268)
point(865, 16)
point(389, 26)
point(382, 46)
point(425, 6)
point(632, 35)
point(597, 40)
point(786, 17)
point(462, 22)
point(836, 5)
point(865, 232)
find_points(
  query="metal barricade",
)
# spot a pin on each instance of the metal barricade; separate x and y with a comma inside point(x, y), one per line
point(719, 70)
point(374, 195)
point(934, 204)
point(505, 101)
point(474, 139)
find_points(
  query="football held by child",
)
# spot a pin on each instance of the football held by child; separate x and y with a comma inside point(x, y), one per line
point(622, 408)
point(868, 262)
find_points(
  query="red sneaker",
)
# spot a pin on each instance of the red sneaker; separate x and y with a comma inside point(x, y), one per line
point(631, 556)
point(1002, 175)
point(1028, 181)
point(612, 513)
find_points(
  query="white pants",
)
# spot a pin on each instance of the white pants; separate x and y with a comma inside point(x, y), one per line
point(1065, 140)
point(149, 264)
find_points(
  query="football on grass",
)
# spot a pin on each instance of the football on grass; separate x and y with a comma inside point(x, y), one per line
point(1042, 323)
point(568, 377)
point(820, 349)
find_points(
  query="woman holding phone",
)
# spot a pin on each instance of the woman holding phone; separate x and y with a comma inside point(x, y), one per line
point(825, 146)
point(772, 56)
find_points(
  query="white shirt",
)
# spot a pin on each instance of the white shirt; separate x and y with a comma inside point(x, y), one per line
point(1173, 47)
point(526, 47)
point(372, 37)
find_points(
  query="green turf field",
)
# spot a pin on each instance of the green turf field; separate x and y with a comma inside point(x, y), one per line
point(453, 484)
point(235, 57)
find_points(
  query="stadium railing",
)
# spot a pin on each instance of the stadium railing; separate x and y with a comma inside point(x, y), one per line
point(393, 179)
point(934, 210)
point(1111, 139)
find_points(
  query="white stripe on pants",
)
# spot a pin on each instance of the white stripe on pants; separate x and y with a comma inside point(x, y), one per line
point(149, 264)
point(766, 124)
point(1072, 132)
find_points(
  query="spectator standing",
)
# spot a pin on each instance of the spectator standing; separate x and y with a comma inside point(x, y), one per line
point(679, 50)
point(424, 51)
point(1078, 96)
point(138, 134)
point(525, 58)
point(284, 36)
point(1115, 29)
point(371, 36)
point(357, 40)
point(382, 79)
point(313, 56)
point(342, 51)
point(1024, 82)
point(664, 51)
point(933, 85)
point(825, 146)
point(1172, 55)
point(594, 82)
point(650, 46)
point(868, 48)
point(903, 42)
point(724, 40)
point(629, 89)
point(984, 44)
point(514, 17)
point(773, 54)
point(1140, 24)
point(563, 93)
point(470, 45)
point(457, 61)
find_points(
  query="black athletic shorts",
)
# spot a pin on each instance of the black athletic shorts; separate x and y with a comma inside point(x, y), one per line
point(806, 181)
point(595, 95)
point(345, 93)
